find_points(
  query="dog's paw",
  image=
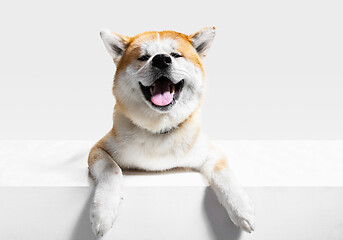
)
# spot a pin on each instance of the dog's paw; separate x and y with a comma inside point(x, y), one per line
point(238, 205)
point(102, 217)
point(244, 218)
point(241, 210)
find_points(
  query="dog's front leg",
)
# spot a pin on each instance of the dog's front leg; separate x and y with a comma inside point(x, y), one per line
point(230, 194)
point(108, 183)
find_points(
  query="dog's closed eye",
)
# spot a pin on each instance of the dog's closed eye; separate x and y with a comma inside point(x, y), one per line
point(175, 55)
point(144, 57)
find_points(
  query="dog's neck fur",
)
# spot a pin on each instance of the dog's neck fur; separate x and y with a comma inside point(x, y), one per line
point(168, 130)
point(121, 118)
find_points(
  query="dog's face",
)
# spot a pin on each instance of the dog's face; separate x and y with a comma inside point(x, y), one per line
point(159, 78)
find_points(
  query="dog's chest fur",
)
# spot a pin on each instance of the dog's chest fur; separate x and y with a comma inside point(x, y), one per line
point(138, 148)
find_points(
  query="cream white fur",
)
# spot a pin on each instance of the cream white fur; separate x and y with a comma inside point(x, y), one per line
point(134, 141)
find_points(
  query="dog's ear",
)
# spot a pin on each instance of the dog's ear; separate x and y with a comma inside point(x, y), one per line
point(115, 44)
point(202, 40)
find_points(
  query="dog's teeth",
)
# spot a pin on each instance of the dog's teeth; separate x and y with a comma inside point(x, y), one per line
point(172, 88)
point(151, 89)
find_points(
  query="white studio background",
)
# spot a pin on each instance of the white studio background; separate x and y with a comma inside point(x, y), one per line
point(275, 70)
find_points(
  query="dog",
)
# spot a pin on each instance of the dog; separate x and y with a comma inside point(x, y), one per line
point(159, 87)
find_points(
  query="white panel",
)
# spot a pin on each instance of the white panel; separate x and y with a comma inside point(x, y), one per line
point(297, 188)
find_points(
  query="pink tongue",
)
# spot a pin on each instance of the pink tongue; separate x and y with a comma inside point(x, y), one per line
point(161, 94)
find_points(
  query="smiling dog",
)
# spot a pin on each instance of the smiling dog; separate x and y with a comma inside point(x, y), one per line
point(159, 86)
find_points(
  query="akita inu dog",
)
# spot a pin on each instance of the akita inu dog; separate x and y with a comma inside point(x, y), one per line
point(159, 87)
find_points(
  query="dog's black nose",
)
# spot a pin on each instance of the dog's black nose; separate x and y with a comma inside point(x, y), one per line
point(161, 61)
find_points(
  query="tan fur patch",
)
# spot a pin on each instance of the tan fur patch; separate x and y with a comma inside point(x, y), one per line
point(114, 132)
point(119, 106)
point(133, 50)
point(94, 155)
point(99, 151)
point(221, 164)
point(184, 47)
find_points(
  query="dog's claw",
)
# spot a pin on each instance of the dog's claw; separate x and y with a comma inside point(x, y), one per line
point(247, 226)
point(246, 223)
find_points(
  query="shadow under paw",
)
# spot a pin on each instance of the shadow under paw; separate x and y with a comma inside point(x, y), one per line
point(82, 230)
point(219, 221)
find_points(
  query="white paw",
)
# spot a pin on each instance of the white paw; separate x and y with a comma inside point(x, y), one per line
point(244, 217)
point(240, 209)
point(235, 200)
point(102, 218)
point(103, 214)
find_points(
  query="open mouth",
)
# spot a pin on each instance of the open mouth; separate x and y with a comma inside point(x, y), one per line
point(162, 94)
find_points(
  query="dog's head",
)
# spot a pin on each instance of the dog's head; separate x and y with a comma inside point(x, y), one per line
point(159, 79)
